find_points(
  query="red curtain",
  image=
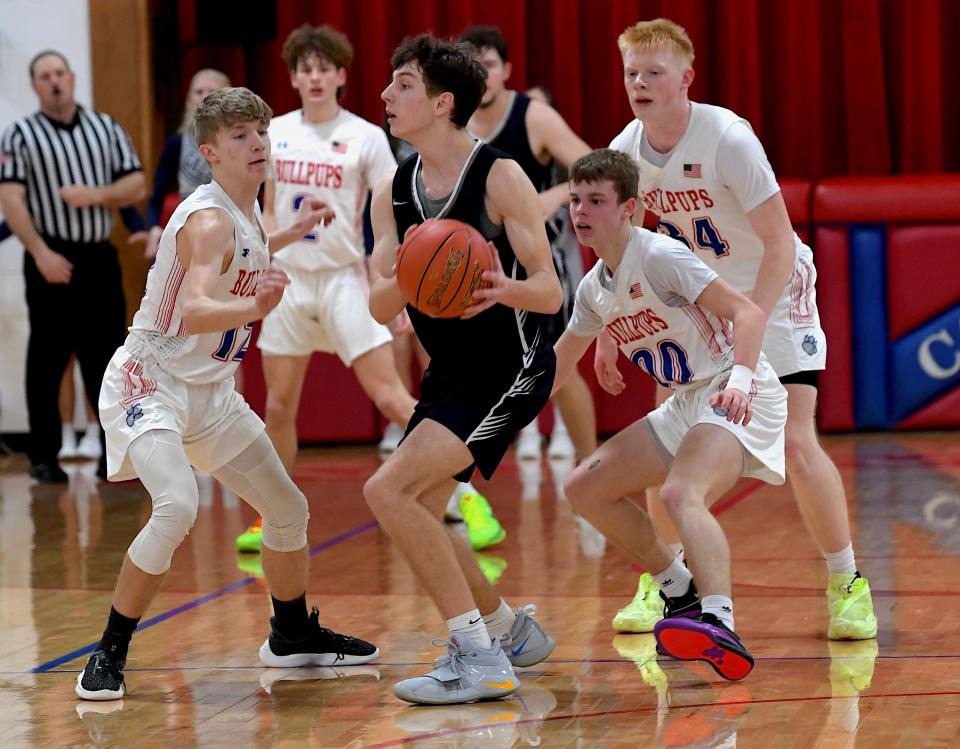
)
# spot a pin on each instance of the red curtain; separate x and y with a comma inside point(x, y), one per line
point(832, 87)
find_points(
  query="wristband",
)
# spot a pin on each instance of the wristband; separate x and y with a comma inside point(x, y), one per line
point(741, 378)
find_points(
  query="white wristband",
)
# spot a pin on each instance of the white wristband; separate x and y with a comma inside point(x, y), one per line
point(741, 378)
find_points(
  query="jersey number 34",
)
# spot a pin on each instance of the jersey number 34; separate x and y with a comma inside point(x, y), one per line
point(705, 235)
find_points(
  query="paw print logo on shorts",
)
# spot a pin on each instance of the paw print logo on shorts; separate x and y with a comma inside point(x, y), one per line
point(134, 413)
point(809, 345)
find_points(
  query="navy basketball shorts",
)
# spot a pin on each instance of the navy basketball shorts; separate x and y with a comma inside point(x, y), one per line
point(486, 409)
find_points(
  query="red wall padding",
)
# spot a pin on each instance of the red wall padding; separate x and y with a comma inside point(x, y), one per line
point(911, 198)
point(923, 274)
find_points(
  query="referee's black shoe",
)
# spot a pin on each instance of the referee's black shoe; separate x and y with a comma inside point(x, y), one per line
point(48, 473)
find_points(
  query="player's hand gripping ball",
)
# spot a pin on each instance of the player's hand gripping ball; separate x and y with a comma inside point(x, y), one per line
point(440, 264)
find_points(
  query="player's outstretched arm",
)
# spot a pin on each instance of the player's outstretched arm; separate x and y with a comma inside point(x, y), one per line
point(386, 299)
point(311, 214)
point(512, 198)
point(748, 324)
point(772, 225)
point(569, 350)
point(205, 246)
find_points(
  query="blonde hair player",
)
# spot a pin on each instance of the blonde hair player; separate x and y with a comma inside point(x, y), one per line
point(705, 175)
point(168, 404)
point(724, 419)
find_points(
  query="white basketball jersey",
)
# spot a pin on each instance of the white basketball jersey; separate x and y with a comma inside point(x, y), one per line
point(692, 206)
point(647, 307)
point(339, 162)
point(158, 324)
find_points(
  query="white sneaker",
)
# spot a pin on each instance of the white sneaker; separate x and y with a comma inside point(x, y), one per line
point(391, 438)
point(465, 674)
point(561, 446)
point(68, 442)
point(89, 447)
point(528, 446)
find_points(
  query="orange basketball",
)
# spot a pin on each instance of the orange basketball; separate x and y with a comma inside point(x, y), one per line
point(440, 265)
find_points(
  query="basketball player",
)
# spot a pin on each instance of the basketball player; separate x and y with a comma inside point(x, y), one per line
point(168, 402)
point(325, 151)
point(705, 175)
point(536, 136)
point(466, 418)
point(666, 308)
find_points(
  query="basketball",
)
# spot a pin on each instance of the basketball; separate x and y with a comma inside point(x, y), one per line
point(440, 265)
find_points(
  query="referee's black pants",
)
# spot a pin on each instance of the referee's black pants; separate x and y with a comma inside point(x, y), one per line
point(86, 316)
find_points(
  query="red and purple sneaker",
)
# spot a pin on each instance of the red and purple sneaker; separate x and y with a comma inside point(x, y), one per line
point(705, 638)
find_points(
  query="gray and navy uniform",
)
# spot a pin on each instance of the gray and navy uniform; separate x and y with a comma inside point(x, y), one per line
point(489, 375)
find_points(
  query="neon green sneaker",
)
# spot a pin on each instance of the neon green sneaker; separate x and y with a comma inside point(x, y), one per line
point(851, 608)
point(644, 611)
point(483, 528)
point(492, 567)
point(249, 541)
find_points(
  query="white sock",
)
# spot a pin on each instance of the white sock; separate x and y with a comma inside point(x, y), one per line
point(675, 580)
point(677, 549)
point(69, 436)
point(720, 606)
point(841, 561)
point(93, 427)
point(471, 626)
point(500, 621)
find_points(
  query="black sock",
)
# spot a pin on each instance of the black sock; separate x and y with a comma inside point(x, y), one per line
point(292, 619)
point(116, 637)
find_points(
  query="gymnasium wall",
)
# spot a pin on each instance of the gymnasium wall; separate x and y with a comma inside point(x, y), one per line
point(25, 30)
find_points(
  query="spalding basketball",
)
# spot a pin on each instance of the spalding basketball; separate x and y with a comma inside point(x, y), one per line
point(440, 265)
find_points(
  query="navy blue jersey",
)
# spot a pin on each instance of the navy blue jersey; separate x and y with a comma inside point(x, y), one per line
point(497, 340)
point(514, 140)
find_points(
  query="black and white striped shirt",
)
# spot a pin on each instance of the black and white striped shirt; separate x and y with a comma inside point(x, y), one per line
point(45, 155)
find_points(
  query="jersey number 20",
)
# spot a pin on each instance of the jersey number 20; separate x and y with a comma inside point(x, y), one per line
point(668, 364)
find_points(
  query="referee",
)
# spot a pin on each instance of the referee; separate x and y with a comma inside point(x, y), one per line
point(62, 172)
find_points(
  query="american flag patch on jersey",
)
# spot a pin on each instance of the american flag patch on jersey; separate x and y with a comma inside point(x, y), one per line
point(692, 170)
point(338, 146)
point(635, 291)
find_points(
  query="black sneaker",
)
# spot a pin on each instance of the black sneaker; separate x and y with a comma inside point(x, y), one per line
point(48, 473)
point(321, 647)
point(686, 605)
point(102, 678)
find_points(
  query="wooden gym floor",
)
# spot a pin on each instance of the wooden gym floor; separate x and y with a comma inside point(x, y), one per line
point(195, 681)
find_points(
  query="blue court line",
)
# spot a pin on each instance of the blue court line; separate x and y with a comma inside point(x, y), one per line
point(51, 664)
